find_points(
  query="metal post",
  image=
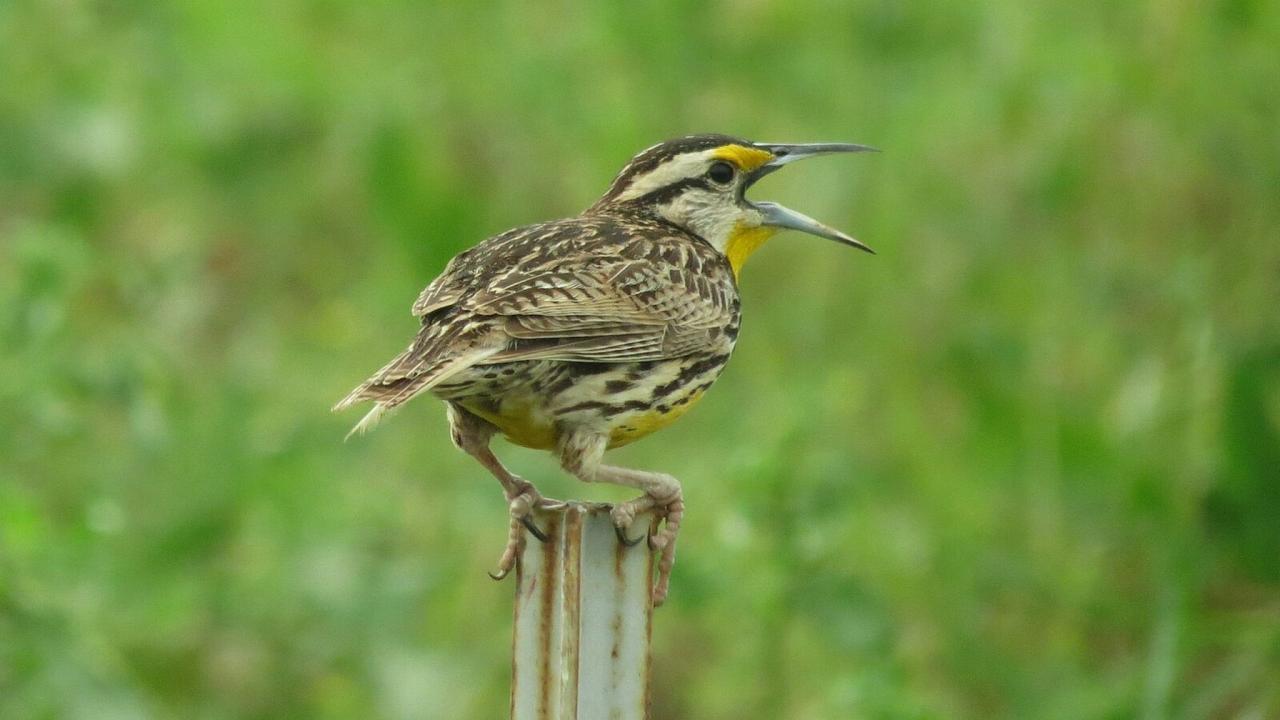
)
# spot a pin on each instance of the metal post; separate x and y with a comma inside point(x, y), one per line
point(583, 615)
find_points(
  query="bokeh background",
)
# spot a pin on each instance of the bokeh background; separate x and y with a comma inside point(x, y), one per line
point(1024, 463)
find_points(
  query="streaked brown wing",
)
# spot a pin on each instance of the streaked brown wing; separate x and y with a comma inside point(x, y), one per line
point(588, 290)
point(605, 309)
point(473, 267)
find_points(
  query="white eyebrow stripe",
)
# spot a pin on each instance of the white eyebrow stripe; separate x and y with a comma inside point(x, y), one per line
point(678, 168)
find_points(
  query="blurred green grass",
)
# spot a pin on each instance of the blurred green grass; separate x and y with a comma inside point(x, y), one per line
point(1023, 463)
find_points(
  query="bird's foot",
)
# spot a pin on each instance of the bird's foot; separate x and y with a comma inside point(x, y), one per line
point(522, 501)
point(669, 508)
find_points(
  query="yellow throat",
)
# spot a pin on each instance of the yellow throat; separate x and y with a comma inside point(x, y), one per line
point(745, 241)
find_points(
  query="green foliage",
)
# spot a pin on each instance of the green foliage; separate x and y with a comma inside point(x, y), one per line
point(1023, 463)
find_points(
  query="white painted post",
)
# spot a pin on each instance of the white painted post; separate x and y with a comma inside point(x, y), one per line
point(583, 615)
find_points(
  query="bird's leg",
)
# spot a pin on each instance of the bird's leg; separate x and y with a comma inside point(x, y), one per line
point(472, 435)
point(581, 455)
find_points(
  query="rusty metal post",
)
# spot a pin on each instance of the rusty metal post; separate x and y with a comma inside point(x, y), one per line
point(582, 620)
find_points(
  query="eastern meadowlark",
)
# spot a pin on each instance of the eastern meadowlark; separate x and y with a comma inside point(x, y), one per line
point(585, 334)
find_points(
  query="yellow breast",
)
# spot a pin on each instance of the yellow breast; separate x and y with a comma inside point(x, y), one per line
point(636, 426)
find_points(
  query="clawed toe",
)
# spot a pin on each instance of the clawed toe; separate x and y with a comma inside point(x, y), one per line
point(622, 537)
point(671, 512)
point(664, 542)
point(624, 515)
point(509, 555)
point(521, 505)
point(534, 530)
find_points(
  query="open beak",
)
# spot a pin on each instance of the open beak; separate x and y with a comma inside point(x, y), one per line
point(779, 216)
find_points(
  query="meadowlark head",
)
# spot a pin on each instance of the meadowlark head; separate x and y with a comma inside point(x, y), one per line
point(699, 183)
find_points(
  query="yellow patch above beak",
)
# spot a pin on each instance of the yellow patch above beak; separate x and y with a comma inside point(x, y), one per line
point(746, 158)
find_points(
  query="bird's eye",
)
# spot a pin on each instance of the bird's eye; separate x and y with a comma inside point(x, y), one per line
point(721, 172)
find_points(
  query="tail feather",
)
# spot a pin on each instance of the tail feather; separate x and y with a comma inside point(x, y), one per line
point(400, 381)
point(369, 421)
point(384, 376)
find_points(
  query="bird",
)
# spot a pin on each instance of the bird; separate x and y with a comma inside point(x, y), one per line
point(587, 333)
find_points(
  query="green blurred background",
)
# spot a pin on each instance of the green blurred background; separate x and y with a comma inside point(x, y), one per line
point(1024, 463)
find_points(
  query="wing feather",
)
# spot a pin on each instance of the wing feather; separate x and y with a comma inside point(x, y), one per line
point(639, 291)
